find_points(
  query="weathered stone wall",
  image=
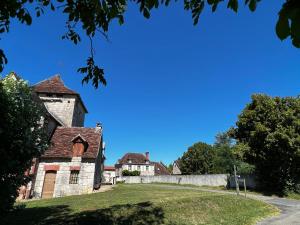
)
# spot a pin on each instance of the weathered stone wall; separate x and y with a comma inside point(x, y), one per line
point(79, 113)
point(62, 186)
point(200, 180)
point(61, 107)
point(176, 169)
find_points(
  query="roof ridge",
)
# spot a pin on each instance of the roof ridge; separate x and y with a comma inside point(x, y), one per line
point(56, 75)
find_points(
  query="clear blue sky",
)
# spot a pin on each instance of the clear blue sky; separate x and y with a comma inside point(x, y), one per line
point(170, 84)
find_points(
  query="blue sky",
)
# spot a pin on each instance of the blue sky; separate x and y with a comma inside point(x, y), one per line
point(170, 84)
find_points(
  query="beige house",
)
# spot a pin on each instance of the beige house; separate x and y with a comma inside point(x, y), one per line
point(140, 162)
point(73, 162)
point(135, 162)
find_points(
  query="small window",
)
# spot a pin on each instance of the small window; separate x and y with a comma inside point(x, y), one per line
point(138, 168)
point(74, 177)
point(147, 168)
point(59, 95)
point(129, 167)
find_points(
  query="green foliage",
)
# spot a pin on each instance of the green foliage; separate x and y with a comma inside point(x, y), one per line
point(220, 158)
point(170, 168)
point(131, 173)
point(198, 159)
point(95, 17)
point(22, 135)
point(269, 130)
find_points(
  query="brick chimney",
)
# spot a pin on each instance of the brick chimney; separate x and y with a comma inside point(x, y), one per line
point(147, 156)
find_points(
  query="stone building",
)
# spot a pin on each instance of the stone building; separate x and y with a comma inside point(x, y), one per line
point(140, 162)
point(135, 162)
point(160, 169)
point(109, 175)
point(73, 162)
point(176, 168)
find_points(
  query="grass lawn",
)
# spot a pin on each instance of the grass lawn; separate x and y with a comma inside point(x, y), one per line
point(141, 204)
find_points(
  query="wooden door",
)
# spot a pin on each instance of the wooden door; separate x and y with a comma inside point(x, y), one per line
point(49, 183)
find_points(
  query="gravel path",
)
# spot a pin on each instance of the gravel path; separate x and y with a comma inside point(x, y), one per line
point(290, 209)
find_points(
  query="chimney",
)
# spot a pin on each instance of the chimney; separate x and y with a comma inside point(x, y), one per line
point(147, 156)
point(98, 126)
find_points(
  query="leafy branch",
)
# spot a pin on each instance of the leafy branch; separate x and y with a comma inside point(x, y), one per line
point(95, 16)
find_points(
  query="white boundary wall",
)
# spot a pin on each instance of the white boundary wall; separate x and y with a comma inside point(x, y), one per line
point(200, 180)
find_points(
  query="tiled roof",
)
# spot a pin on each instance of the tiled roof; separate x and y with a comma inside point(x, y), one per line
point(61, 142)
point(133, 158)
point(160, 169)
point(109, 168)
point(53, 85)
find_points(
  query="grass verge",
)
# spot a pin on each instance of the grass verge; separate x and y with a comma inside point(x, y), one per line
point(142, 204)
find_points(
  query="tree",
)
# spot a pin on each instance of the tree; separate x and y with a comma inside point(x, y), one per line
point(170, 168)
point(224, 159)
point(198, 159)
point(22, 135)
point(95, 17)
point(228, 154)
point(270, 128)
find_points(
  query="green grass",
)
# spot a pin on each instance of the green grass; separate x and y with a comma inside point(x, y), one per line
point(290, 195)
point(295, 196)
point(143, 204)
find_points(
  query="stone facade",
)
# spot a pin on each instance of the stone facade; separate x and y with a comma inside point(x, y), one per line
point(66, 108)
point(62, 186)
point(73, 163)
point(145, 170)
point(176, 170)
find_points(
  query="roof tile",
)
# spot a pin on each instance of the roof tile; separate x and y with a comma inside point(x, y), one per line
point(61, 142)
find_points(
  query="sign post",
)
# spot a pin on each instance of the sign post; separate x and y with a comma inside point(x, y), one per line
point(236, 181)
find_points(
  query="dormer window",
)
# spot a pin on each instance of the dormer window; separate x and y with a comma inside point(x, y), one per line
point(129, 161)
point(80, 146)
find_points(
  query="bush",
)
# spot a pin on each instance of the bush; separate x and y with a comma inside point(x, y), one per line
point(131, 173)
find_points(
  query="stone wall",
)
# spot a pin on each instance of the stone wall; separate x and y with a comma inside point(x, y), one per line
point(66, 108)
point(61, 107)
point(62, 186)
point(200, 180)
point(79, 113)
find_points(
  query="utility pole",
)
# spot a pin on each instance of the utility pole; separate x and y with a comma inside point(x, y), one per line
point(236, 181)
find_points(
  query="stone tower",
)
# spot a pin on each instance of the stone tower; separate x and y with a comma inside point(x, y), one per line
point(64, 104)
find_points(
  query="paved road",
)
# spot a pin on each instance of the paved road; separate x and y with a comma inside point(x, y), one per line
point(289, 209)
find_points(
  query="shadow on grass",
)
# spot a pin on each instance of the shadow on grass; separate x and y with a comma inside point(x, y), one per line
point(144, 213)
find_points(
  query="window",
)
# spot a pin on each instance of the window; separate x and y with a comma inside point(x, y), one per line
point(147, 168)
point(138, 168)
point(49, 95)
point(74, 177)
point(129, 167)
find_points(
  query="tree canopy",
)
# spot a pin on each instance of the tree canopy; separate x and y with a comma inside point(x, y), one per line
point(270, 127)
point(22, 135)
point(95, 16)
point(198, 159)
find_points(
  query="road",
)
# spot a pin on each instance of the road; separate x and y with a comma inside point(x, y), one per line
point(289, 209)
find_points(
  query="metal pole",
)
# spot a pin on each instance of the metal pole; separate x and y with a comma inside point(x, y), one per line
point(245, 188)
point(236, 181)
